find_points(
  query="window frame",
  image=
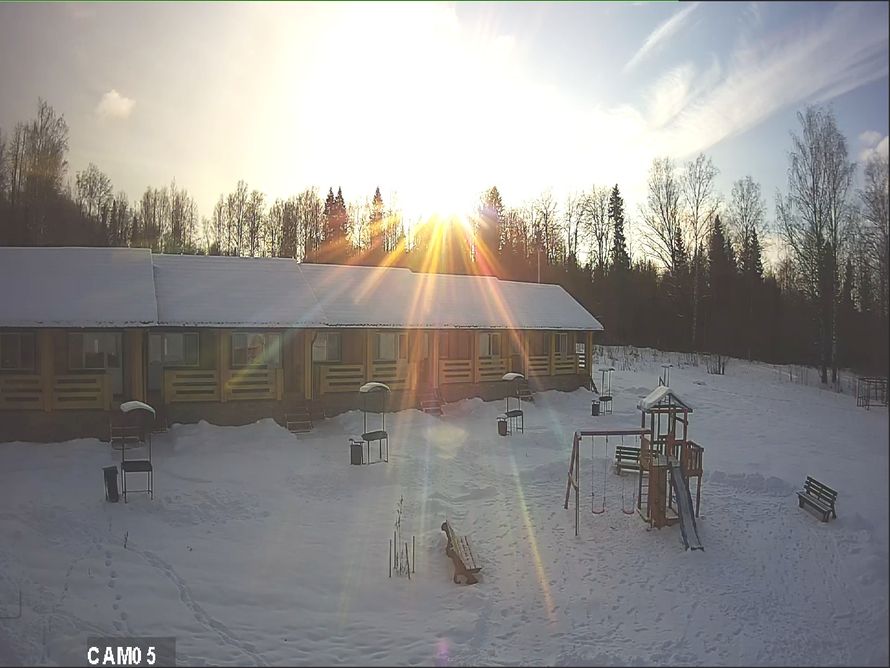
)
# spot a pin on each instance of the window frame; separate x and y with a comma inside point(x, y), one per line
point(562, 350)
point(492, 338)
point(400, 346)
point(271, 340)
point(327, 347)
point(19, 367)
point(183, 363)
point(115, 336)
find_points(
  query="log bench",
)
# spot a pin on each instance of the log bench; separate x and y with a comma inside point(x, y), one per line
point(458, 549)
point(819, 496)
point(626, 458)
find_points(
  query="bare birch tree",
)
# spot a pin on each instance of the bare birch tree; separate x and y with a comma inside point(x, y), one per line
point(701, 206)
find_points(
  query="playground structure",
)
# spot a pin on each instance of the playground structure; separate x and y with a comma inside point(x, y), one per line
point(667, 462)
point(871, 391)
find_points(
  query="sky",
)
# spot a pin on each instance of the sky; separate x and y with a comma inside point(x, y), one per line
point(436, 102)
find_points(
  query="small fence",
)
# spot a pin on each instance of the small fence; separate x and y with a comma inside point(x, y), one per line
point(82, 392)
point(490, 369)
point(21, 392)
point(342, 378)
point(539, 365)
point(564, 366)
point(455, 371)
point(254, 384)
point(190, 385)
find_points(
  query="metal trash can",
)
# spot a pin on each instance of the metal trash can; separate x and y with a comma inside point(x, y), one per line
point(502, 426)
point(111, 493)
point(355, 452)
point(595, 407)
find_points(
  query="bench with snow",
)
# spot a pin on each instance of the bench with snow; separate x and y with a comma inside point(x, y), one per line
point(628, 458)
point(819, 496)
point(458, 549)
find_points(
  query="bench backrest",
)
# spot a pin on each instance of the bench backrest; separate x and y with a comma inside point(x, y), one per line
point(817, 489)
point(624, 452)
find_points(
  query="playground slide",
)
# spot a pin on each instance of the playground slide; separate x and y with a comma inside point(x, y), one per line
point(688, 529)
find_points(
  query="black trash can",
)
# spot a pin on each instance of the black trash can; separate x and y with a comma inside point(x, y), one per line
point(355, 452)
point(502, 426)
point(595, 407)
point(111, 484)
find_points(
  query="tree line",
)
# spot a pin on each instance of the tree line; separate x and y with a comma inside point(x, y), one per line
point(695, 281)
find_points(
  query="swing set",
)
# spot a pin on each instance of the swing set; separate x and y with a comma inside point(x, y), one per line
point(574, 476)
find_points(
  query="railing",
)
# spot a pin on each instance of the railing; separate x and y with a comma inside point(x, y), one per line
point(190, 385)
point(397, 375)
point(490, 368)
point(691, 458)
point(342, 378)
point(563, 366)
point(23, 392)
point(247, 383)
point(455, 371)
point(82, 392)
point(539, 365)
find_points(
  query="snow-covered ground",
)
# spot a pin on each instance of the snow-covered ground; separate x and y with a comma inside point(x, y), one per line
point(262, 547)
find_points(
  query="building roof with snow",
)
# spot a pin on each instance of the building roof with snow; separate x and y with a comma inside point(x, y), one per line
point(76, 287)
point(117, 287)
point(215, 291)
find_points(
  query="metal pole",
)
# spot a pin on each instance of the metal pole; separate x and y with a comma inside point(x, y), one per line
point(389, 557)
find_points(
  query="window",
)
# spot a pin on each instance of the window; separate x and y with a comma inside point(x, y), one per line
point(174, 348)
point(17, 351)
point(326, 347)
point(391, 347)
point(562, 345)
point(489, 345)
point(256, 349)
point(94, 350)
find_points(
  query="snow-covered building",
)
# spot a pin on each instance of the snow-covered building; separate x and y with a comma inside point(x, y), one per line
point(230, 339)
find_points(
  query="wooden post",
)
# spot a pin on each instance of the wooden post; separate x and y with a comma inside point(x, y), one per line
point(474, 355)
point(434, 357)
point(308, 335)
point(369, 355)
point(224, 354)
point(553, 336)
point(47, 366)
point(135, 359)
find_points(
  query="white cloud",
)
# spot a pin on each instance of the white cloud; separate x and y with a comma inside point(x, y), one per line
point(113, 105)
point(762, 80)
point(662, 33)
point(880, 147)
point(870, 138)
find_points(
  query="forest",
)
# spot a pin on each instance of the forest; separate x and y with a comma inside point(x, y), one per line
point(693, 277)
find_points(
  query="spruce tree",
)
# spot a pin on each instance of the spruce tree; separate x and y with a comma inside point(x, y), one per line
point(620, 257)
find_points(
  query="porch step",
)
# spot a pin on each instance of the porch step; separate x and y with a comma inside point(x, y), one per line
point(299, 420)
point(431, 402)
point(523, 391)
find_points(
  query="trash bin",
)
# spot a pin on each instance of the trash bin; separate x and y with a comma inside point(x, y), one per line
point(502, 426)
point(355, 452)
point(111, 484)
point(595, 407)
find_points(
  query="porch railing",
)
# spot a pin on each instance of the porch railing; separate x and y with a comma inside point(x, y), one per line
point(21, 392)
point(341, 377)
point(563, 366)
point(82, 392)
point(490, 369)
point(397, 375)
point(455, 371)
point(539, 365)
point(246, 384)
point(190, 385)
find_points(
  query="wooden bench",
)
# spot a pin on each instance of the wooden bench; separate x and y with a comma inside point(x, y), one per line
point(819, 496)
point(628, 458)
point(458, 549)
